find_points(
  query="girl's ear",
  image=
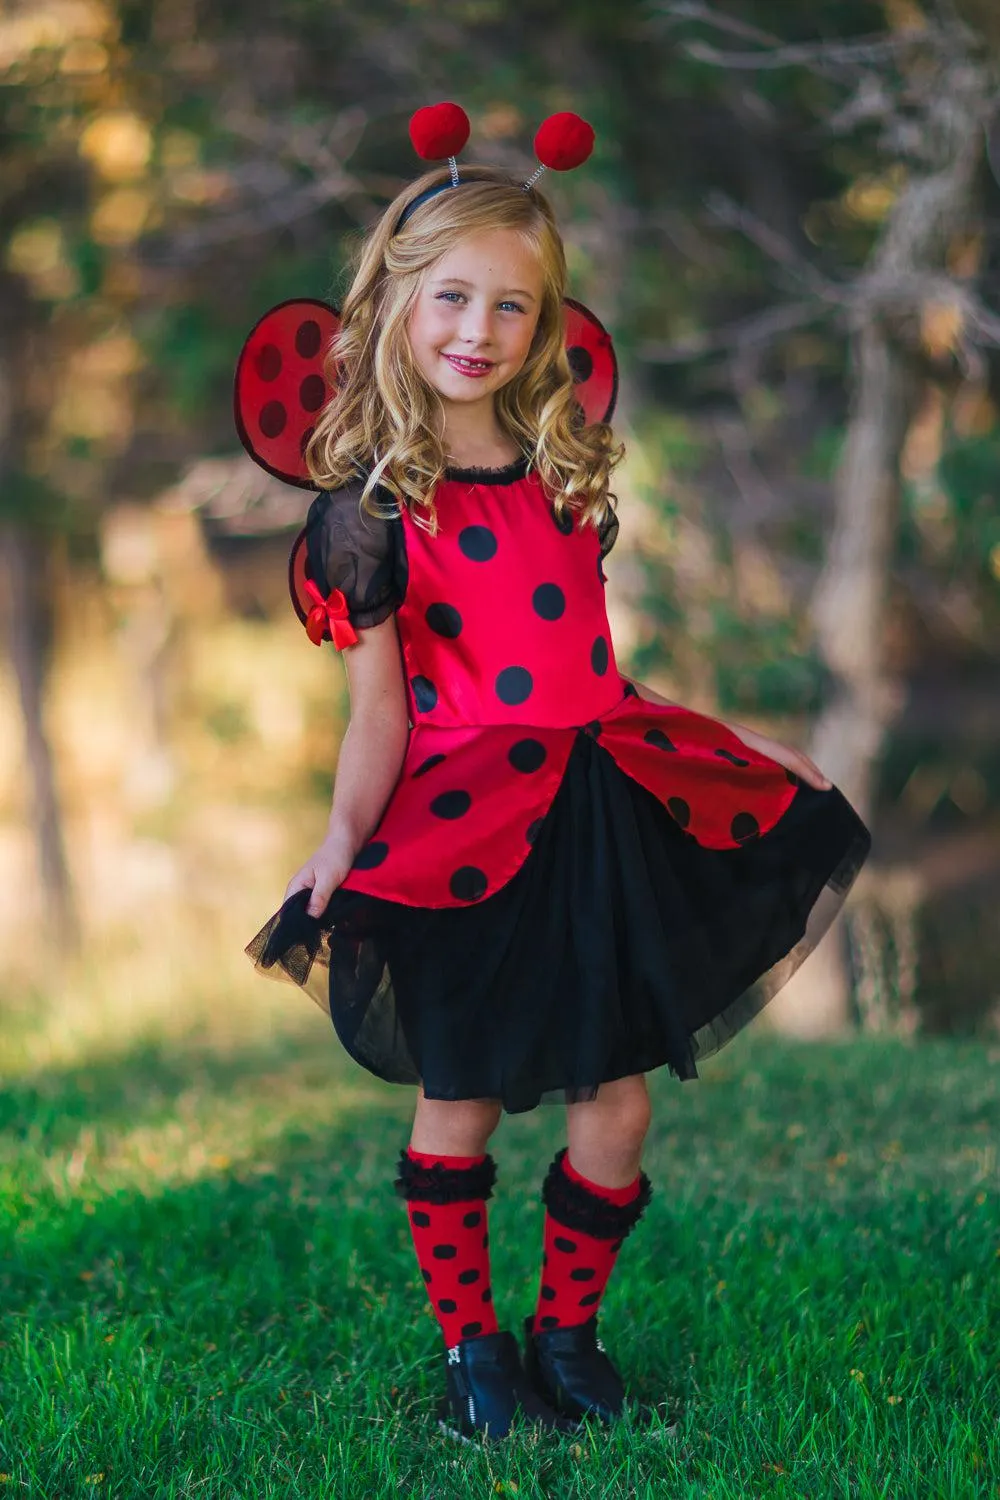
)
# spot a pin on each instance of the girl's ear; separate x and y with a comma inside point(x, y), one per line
point(281, 385)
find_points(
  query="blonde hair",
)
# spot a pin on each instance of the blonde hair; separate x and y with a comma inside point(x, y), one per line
point(385, 420)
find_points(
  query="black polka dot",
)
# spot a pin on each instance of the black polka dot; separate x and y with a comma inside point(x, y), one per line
point(305, 440)
point(372, 855)
point(448, 1304)
point(425, 694)
point(308, 339)
point(468, 883)
point(564, 522)
point(548, 1293)
point(425, 1274)
point(272, 419)
point(599, 656)
point(568, 1246)
point(468, 1277)
point(549, 1322)
point(470, 1220)
point(469, 1330)
point(590, 1299)
point(533, 829)
point(267, 362)
point(527, 755)
point(582, 1273)
point(486, 1241)
point(679, 810)
point(593, 729)
point(631, 691)
point(549, 601)
point(453, 804)
point(477, 543)
point(312, 393)
point(444, 619)
point(580, 362)
point(488, 1294)
point(513, 685)
point(545, 1261)
point(428, 765)
point(659, 739)
point(420, 1218)
point(743, 827)
point(791, 776)
point(734, 760)
point(444, 1252)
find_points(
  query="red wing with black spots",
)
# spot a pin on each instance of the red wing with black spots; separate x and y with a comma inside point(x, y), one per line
point(281, 385)
point(591, 356)
point(281, 379)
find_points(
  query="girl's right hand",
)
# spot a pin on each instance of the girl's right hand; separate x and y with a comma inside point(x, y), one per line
point(322, 873)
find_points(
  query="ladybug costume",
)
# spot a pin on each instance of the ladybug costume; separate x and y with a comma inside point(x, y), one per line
point(568, 884)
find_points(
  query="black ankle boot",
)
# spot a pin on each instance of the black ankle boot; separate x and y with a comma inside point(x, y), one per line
point(488, 1390)
point(569, 1369)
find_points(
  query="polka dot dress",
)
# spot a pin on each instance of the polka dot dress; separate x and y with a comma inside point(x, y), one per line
point(515, 701)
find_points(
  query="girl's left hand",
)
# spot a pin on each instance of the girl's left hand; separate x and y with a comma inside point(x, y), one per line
point(792, 760)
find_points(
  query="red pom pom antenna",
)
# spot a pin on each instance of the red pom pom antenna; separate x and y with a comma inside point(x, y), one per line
point(564, 141)
point(441, 130)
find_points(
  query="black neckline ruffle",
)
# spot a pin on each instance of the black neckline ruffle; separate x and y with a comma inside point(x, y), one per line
point(506, 474)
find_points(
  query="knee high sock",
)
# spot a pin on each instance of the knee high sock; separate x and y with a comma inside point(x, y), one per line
point(585, 1225)
point(446, 1203)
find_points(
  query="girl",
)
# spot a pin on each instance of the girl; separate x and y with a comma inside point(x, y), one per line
point(539, 879)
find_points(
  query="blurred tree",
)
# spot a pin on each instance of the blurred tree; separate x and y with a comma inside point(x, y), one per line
point(928, 88)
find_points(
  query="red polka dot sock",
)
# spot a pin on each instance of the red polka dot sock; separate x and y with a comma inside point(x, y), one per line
point(446, 1202)
point(585, 1225)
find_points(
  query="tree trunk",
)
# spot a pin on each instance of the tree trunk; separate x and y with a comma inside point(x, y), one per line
point(24, 583)
point(23, 551)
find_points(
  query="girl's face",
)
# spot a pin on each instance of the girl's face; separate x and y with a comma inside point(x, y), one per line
point(475, 315)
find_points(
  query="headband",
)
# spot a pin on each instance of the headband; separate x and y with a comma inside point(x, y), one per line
point(439, 132)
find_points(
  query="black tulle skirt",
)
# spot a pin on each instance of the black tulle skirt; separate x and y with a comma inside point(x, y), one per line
point(620, 946)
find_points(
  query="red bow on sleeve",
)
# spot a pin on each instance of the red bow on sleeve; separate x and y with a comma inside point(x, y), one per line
point(331, 613)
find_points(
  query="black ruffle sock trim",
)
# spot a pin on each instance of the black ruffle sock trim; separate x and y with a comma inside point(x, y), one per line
point(572, 1205)
point(441, 1184)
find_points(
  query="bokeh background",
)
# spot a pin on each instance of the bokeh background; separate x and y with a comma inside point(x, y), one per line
point(790, 227)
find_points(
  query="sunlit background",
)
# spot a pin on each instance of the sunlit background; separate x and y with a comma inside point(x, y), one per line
point(810, 536)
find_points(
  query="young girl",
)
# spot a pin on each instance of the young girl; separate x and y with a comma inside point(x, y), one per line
point(539, 879)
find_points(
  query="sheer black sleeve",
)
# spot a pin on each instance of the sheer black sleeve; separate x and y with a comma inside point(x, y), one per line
point(607, 531)
point(358, 553)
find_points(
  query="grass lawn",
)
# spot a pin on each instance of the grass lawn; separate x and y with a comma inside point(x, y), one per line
point(207, 1286)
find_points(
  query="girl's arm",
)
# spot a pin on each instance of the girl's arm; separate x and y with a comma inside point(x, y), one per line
point(794, 760)
point(371, 758)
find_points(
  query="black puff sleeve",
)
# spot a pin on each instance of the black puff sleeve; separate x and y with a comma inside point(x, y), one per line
point(358, 553)
point(607, 531)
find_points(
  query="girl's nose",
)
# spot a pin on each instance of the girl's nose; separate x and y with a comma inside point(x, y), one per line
point(477, 324)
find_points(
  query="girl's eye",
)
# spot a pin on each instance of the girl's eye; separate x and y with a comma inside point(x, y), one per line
point(448, 296)
point(515, 305)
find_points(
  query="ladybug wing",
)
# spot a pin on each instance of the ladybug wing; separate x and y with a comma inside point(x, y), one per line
point(591, 356)
point(298, 572)
point(281, 385)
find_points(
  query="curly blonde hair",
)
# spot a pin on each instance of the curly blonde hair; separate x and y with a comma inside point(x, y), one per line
point(385, 419)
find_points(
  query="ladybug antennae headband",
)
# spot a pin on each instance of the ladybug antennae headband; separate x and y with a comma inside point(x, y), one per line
point(439, 132)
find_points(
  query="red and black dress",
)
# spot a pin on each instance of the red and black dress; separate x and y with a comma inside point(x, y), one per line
point(568, 884)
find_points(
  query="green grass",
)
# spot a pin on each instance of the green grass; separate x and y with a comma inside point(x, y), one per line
point(208, 1287)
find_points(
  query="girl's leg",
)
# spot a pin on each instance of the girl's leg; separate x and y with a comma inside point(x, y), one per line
point(446, 1176)
point(594, 1195)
